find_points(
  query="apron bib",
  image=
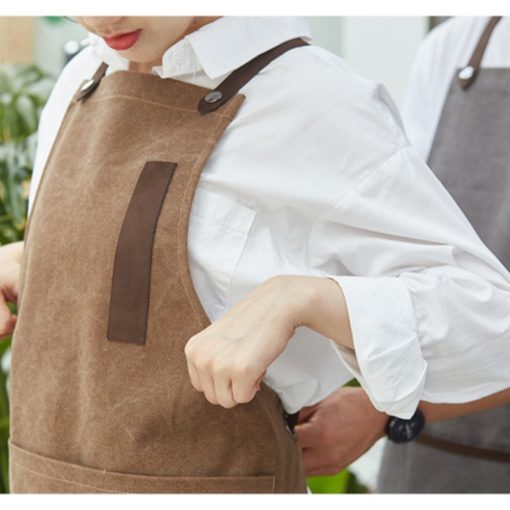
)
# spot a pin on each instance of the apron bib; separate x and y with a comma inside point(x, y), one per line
point(100, 394)
point(471, 157)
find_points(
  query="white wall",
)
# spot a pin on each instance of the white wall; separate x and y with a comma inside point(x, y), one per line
point(49, 40)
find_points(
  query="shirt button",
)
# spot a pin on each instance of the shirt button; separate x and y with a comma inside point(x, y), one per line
point(213, 97)
point(466, 73)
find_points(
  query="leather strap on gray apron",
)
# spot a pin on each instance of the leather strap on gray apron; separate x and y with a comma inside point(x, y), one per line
point(463, 449)
point(467, 75)
point(226, 89)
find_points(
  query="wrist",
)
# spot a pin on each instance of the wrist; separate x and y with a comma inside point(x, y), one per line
point(326, 311)
point(378, 418)
point(297, 293)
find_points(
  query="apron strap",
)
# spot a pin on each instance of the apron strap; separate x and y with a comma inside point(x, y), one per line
point(229, 87)
point(225, 90)
point(89, 86)
point(463, 449)
point(467, 75)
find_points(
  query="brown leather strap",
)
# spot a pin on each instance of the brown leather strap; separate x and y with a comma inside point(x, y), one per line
point(225, 90)
point(463, 449)
point(228, 87)
point(467, 75)
point(87, 87)
point(131, 282)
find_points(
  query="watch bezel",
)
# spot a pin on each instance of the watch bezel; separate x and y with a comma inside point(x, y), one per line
point(402, 431)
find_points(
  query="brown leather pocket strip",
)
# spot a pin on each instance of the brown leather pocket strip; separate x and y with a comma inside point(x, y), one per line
point(129, 303)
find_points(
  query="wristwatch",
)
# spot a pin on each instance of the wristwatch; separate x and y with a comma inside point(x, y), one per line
point(403, 431)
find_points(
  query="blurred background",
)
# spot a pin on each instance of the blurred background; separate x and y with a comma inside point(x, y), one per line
point(42, 40)
point(33, 51)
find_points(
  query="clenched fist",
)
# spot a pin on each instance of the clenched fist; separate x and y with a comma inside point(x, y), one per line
point(228, 360)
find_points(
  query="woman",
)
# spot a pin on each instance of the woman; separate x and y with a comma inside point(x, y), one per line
point(306, 206)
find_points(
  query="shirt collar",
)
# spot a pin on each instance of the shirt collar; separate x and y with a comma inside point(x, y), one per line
point(216, 49)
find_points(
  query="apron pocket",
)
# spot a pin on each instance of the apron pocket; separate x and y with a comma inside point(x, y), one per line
point(218, 232)
point(33, 473)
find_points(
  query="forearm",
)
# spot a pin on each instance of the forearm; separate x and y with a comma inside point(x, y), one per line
point(326, 312)
point(438, 412)
point(360, 405)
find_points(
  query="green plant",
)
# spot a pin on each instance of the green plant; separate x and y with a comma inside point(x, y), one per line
point(24, 89)
point(343, 482)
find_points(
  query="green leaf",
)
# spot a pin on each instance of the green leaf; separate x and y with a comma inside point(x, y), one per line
point(26, 110)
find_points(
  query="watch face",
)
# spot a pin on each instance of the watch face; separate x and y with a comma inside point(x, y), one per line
point(403, 431)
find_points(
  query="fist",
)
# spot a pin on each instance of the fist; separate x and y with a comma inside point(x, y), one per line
point(228, 360)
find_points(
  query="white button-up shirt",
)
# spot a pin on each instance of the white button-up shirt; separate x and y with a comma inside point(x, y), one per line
point(315, 176)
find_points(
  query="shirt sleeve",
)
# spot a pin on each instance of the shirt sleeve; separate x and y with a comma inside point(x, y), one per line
point(420, 112)
point(428, 303)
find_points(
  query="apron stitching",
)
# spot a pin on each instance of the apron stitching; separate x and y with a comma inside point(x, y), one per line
point(163, 105)
point(181, 250)
point(61, 479)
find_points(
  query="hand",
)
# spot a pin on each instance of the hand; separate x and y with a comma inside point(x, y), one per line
point(10, 259)
point(227, 360)
point(336, 431)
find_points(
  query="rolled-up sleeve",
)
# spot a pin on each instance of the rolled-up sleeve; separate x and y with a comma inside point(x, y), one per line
point(428, 303)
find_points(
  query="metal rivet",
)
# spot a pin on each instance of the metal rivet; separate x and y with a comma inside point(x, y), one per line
point(87, 85)
point(466, 73)
point(213, 97)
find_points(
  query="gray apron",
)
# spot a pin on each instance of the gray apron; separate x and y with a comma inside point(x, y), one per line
point(471, 157)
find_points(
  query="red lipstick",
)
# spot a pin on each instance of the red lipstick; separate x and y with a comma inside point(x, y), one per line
point(122, 41)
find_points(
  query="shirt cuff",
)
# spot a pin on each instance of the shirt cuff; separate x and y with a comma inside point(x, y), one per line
point(387, 360)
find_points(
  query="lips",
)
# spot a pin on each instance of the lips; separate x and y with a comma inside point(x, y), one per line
point(122, 41)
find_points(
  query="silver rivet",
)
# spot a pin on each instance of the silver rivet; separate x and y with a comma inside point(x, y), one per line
point(213, 97)
point(466, 73)
point(87, 85)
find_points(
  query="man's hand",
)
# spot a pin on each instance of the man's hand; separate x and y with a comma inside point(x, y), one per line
point(335, 432)
point(228, 359)
point(10, 260)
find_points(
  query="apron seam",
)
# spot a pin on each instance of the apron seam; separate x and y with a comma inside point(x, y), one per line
point(78, 484)
point(182, 251)
point(162, 105)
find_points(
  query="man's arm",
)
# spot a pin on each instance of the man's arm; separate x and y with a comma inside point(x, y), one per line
point(338, 430)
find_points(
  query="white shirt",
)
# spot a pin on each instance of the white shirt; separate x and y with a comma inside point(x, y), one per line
point(446, 49)
point(315, 177)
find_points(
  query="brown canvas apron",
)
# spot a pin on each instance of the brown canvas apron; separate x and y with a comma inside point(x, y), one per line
point(100, 394)
point(471, 156)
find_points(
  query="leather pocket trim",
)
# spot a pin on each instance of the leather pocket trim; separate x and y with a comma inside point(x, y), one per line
point(34, 473)
point(129, 302)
